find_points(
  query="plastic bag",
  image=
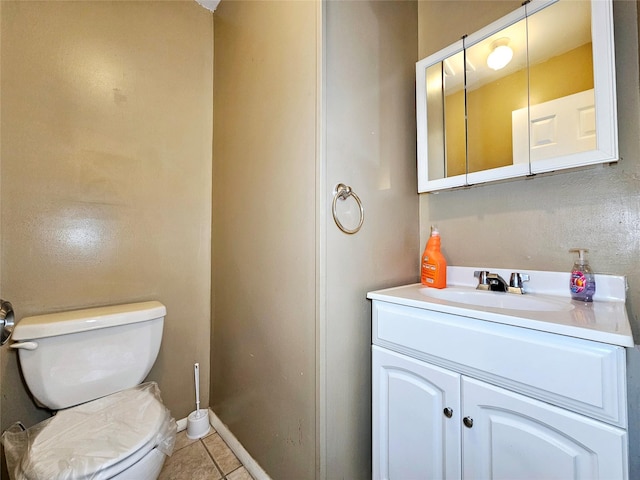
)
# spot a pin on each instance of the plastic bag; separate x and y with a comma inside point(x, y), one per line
point(96, 440)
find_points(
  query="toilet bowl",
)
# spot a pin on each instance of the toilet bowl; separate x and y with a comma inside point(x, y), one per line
point(87, 365)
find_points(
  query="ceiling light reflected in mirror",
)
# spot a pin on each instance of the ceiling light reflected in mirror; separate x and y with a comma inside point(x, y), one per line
point(501, 54)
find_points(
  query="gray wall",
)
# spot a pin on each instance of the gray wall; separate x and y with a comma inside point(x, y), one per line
point(370, 49)
point(307, 95)
point(532, 223)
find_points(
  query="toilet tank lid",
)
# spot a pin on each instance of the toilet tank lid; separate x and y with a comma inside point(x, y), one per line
point(61, 323)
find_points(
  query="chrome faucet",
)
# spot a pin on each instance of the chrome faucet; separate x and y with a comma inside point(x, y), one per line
point(495, 283)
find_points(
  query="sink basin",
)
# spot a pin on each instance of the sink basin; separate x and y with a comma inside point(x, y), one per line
point(510, 301)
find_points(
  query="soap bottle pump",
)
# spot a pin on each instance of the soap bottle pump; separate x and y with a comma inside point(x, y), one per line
point(433, 267)
point(582, 282)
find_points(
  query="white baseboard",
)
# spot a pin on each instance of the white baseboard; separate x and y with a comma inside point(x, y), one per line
point(182, 424)
point(249, 463)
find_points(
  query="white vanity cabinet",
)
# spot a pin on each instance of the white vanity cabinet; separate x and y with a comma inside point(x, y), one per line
point(461, 398)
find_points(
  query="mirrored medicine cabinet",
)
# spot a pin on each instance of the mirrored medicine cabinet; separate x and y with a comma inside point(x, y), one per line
point(530, 93)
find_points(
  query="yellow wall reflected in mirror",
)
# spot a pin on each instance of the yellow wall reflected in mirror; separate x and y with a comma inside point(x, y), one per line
point(490, 107)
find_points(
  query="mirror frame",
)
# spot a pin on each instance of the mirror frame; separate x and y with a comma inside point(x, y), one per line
point(605, 102)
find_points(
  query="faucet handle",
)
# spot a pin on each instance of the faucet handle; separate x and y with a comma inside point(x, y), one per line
point(481, 275)
point(517, 279)
point(483, 279)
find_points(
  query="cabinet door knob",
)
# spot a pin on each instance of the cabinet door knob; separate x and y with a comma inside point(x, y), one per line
point(448, 412)
point(468, 422)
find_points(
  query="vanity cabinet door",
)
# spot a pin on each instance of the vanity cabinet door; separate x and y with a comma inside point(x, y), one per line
point(416, 419)
point(509, 436)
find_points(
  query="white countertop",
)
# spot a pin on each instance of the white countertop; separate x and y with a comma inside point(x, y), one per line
point(603, 320)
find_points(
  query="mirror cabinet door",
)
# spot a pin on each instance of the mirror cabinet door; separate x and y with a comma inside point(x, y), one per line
point(568, 124)
point(496, 86)
point(561, 115)
point(441, 119)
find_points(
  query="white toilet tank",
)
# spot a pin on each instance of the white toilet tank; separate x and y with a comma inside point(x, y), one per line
point(68, 358)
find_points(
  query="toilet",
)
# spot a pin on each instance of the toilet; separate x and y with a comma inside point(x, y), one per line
point(87, 365)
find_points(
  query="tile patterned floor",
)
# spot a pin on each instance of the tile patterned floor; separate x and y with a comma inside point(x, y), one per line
point(208, 458)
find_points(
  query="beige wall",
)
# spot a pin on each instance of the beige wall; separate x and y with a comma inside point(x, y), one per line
point(532, 223)
point(264, 275)
point(106, 173)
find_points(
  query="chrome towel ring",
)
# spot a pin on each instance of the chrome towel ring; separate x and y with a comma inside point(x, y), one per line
point(343, 192)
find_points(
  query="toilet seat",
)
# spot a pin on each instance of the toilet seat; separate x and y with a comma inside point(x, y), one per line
point(98, 439)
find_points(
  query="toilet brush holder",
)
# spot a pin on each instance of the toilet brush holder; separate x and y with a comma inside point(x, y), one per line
point(198, 424)
point(198, 420)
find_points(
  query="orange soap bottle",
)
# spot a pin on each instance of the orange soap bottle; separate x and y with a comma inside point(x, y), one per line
point(433, 271)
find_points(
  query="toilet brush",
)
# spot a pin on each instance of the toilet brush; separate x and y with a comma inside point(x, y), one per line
point(198, 420)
